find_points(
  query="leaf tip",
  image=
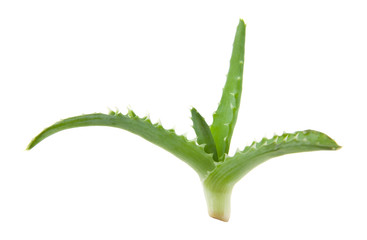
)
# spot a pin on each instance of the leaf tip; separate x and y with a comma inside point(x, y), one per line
point(242, 22)
point(322, 139)
point(30, 145)
point(337, 147)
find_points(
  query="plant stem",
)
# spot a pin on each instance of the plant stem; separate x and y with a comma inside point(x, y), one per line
point(218, 200)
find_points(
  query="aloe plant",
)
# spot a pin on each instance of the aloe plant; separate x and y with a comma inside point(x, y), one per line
point(208, 154)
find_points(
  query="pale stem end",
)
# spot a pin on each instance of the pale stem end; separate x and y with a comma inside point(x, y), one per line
point(218, 202)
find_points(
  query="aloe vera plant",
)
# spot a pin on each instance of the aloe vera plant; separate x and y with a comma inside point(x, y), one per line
point(208, 154)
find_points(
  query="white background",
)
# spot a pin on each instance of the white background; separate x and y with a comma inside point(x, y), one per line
point(305, 68)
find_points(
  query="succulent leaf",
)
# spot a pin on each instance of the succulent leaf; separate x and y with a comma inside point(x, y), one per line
point(204, 136)
point(235, 167)
point(224, 119)
point(179, 146)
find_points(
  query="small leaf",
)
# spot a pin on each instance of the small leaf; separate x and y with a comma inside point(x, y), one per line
point(179, 146)
point(204, 136)
point(224, 119)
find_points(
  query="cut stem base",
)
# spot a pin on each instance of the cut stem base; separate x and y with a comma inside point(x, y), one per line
point(218, 202)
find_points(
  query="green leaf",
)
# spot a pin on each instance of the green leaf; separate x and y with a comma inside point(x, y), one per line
point(204, 136)
point(234, 168)
point(179, 146)
point(224, 119)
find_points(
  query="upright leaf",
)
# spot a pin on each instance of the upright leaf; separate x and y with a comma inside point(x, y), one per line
point(204, 136)
point(224, 119)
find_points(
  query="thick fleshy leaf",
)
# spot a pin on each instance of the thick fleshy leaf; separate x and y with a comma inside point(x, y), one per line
point(179, 146)
point(204, 136)
point(224, 119)
point(234, 168)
